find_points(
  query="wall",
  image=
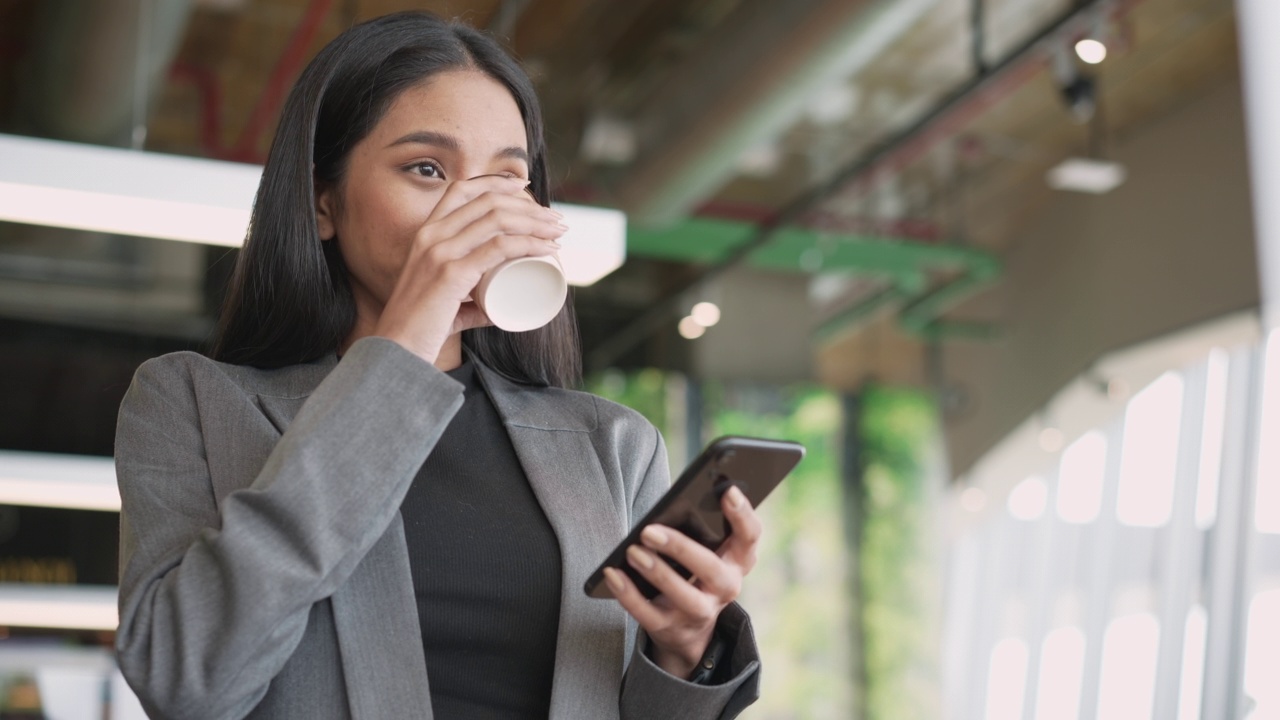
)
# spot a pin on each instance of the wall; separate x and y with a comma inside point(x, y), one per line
point(1170, 248)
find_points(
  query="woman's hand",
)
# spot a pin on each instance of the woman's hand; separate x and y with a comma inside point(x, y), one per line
point(477, 225)
point(681, 620)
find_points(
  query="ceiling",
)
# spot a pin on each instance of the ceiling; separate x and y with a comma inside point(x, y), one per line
point(871, 151)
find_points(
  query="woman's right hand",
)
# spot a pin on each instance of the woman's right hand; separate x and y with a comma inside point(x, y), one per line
point(477, 225)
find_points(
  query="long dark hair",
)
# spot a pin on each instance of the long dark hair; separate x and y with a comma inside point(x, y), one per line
point(289, 300)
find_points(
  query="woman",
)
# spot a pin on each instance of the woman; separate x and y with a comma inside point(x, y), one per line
point(367, 487)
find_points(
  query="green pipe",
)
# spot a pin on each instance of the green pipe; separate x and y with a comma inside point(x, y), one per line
point(905, 265)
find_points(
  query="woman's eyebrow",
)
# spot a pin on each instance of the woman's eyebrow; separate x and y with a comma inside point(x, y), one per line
point(449, 142)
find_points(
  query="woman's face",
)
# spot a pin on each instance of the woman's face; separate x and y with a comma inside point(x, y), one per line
point(456, 125)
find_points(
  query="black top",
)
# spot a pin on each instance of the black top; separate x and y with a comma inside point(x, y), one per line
point(486, 570)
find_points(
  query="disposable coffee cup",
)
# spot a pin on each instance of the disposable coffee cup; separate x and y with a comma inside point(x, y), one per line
point(522, 294)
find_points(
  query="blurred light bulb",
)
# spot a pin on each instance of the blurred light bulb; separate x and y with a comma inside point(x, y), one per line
point(705, 314)
point(1091, 51)
point(973, 499)
point(690, 329)
point(1051, 439)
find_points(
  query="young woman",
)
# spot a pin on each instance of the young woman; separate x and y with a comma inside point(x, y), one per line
point(371, 504)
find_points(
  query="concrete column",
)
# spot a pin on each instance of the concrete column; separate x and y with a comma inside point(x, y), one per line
point(1259, 28)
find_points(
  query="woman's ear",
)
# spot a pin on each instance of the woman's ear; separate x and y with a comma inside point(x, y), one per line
point(326, 219)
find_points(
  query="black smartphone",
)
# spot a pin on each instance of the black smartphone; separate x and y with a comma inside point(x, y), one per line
point(692, 505)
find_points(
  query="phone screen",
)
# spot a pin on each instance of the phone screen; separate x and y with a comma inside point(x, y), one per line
point(692, 505)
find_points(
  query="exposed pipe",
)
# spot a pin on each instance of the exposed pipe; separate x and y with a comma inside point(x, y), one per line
point(693, 146)
point(1259, 22)
point(979, 91)
point(81, 85)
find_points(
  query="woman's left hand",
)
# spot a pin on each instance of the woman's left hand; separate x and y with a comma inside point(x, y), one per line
point(681, 620)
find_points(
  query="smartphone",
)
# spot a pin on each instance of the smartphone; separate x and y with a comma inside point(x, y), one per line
point(692, 505)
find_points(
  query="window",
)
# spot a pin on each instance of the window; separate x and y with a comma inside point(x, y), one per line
point(1149, 457)
point(1080, 477)
point(1127, 688)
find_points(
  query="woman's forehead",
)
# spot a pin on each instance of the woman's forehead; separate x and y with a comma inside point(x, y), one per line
point(467, 106)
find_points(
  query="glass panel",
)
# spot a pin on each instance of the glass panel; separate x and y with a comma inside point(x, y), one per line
point(1006, 685)
point(1262, 655)
point(1061, 675)
point(1080, 478)
point(1129, 650)
point(1028, 499)
point(1149, 456)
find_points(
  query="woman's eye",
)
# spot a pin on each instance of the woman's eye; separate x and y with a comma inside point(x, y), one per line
point(427, 170)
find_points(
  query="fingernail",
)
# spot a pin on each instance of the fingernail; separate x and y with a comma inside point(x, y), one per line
point(613, 579)
point(654, 536)
point(640, 557)
point(736, 498)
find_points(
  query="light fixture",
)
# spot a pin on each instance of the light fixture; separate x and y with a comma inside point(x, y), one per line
point(77, 482)
point(91, 187)
point(1086, 175)
point(706, 314)
point(690, 329)
point(1091, 51)
point(67, 607)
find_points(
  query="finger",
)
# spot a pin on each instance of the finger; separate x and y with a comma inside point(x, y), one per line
point(742, 545)
point(491, 215)
point(464, 191)
point(715, 575)
point(650, 617)
point(681, 595)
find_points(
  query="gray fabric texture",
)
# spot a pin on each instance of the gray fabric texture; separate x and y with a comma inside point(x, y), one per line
point(264, 571)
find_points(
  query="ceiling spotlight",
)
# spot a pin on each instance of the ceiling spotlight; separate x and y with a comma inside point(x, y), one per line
point(1081, 95)
point(690, 329)
point(705, 314)
point(1091, 51)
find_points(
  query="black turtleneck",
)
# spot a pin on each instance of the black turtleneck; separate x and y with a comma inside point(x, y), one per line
point(486, 570)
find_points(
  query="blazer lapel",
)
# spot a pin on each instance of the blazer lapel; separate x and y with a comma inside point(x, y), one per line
point(375, 613)
point(554, 446)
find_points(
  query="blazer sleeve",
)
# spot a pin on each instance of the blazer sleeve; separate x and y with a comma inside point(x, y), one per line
point(213, 600)
point(648, 691)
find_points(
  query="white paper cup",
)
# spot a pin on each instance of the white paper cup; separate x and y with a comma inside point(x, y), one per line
point(522, 294)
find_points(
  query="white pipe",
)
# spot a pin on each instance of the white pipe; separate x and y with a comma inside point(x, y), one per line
point(1259, 28)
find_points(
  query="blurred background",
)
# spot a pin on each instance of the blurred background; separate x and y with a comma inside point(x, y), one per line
point(1006, 267)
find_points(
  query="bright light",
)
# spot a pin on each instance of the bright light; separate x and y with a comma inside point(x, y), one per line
point(1215, 421)
point(1007, 680)
point(77, 482)
point(690, 329)
point(75, 607)
point(1091, 51)
point(1080, 477)
point(1193, 645)
point(1061, 675)
point(172, 197)
point(1028, 499)
point(1051, 439)
point(1149, 453)
point(1262, 654)
point(1130, 647)
point(1266, 504)
point(705, 314)
point(973, 499)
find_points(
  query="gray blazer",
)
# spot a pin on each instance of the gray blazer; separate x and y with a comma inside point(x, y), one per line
point(264, 571)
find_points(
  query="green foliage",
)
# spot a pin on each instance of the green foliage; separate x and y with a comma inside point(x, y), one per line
point(797, 592)
point(897, 570)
